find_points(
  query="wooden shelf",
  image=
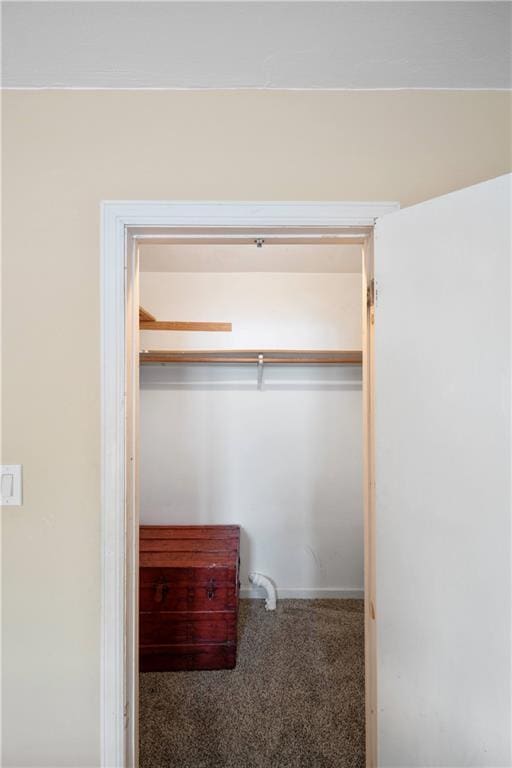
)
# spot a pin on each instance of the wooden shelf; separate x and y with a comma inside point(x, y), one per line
point(148, 322)
point(276, 356)
point(184, 325)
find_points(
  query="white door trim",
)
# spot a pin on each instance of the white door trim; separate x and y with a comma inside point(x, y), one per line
point(121, 221)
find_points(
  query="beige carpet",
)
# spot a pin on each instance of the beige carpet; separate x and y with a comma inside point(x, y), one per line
point(295, 699)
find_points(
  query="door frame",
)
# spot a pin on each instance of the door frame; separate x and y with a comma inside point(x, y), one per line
point(123, 225)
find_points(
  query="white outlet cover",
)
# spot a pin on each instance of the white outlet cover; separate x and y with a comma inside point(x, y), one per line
point(10, 485)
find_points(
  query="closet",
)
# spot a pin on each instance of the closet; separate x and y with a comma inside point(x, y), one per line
point(251, 416)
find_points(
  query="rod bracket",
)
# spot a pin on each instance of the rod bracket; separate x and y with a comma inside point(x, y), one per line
point(260, 371)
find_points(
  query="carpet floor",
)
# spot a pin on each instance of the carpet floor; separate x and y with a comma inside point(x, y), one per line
point(295, 699)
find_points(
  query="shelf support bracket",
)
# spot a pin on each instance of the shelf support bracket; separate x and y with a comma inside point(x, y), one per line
point(260, 371)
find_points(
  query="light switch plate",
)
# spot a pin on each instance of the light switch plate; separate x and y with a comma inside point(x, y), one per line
point(10, 485)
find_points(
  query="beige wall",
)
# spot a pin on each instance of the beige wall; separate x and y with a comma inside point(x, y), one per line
point(66, 151)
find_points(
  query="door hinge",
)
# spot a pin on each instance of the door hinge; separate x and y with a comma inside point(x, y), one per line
point(126, 715)
point(371, 293)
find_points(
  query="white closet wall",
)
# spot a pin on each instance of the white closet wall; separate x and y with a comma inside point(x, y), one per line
point(267, 309)
point(286, 461)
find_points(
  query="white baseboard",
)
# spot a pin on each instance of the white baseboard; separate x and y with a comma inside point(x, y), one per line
point(297, 593)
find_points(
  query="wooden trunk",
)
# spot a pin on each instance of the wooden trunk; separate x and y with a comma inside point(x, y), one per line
point(188, 597)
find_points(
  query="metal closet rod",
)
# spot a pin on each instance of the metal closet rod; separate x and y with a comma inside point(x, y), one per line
point(274, 356)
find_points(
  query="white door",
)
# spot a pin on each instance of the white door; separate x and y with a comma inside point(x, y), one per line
point(442, 473)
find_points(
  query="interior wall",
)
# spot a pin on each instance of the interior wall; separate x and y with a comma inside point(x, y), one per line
point(268, 310)
point(284, 462)
point(64, 152)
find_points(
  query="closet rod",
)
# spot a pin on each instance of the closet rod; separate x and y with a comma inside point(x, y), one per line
point(275, 356)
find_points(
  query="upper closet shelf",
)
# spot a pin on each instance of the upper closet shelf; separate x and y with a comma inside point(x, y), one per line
point(277, 356)
point(148, 322)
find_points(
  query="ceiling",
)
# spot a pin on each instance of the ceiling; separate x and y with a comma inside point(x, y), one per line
point(319, 45)
point(249, 258)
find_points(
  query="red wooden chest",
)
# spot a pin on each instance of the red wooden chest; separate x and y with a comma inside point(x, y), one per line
point(188, 597)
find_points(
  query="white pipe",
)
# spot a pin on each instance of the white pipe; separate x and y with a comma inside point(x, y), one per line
point(263, 581)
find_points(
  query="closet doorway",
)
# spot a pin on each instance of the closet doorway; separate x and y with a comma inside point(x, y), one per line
point(251, 416)
point(257, 227)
